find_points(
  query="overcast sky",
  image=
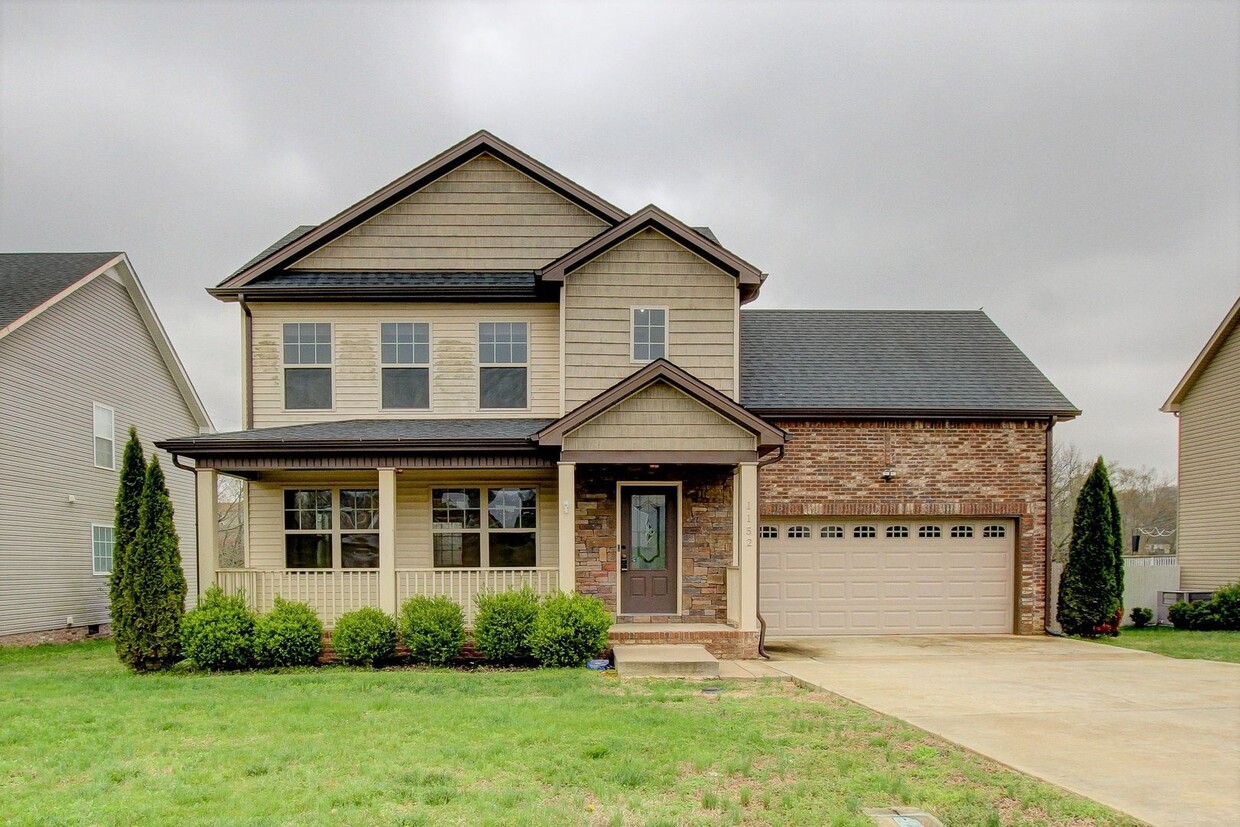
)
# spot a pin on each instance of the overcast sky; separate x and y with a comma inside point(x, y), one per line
point(1073, 168)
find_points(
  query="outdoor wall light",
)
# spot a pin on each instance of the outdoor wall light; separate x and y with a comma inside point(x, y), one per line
point(888, 474)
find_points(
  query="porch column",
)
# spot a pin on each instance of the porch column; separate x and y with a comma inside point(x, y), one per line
point(567, 521)
point(387, 540)
point(207, 495)
point(747, 506)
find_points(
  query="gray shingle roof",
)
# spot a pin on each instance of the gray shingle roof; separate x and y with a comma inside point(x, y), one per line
point(29, 279)
point(286, 240)
point(428, 280)
point(888, 360)
point(367, 431)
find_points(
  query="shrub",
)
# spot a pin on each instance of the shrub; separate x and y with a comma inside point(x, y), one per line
point(1090, 597)
point(364, 637)
point(503, 624)
point(1221, 612)
point(1178, 615)
point(569, 629)
point(433, 628)
point(1141, 617)
point(291, 635)
point(1226, 602)
point(219, 632)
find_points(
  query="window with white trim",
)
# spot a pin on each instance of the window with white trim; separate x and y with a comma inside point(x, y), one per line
point(993, 532)
point(103, 544)
point(507, 538)
point(503, 365)
point(864, 532)
point(404, 364)
point(307, 366)
point(327, 528)
point(962, 532)
point(929, 532)
point(798, 532)
point(770, 532)
point(897, 532)
point(832, 532)
point(649, 333)
point(105, 437)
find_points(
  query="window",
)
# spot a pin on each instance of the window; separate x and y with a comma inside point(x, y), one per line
point(307, 388)
point(506, 539)
point(962, 532)
point(832, 532)
point(864, 532)
point(102, 543)
point(929, 532)
point(503, 359)
point(770, 532)
point(105, 437)
point(405, 357)
point(798, 532)
point(994, 531)
point(897, 532)
point(322, 525)
point(649, 333)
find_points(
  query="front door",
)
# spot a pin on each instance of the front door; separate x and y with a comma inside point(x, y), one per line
point(648, 551)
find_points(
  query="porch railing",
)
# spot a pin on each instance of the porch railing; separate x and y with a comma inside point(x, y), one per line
point(461, 585)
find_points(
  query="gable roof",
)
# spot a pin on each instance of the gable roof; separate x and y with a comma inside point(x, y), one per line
point(662, 370)
point(651, 217)
point(286, 250)
point(889, 362)
point(30, 283)
point(1216, 342)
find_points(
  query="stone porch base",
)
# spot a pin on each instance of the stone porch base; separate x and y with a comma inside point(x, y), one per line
point(723, 642)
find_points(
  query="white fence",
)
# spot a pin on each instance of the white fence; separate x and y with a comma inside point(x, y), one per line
point(1144, 578)
point(463, 585)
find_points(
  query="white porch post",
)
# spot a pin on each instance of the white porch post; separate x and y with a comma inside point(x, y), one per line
point(387, 540)
point(207, 495)
point(567, 521)
point(747, 506)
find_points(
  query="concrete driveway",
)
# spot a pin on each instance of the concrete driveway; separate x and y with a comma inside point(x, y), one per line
point(1154, 737)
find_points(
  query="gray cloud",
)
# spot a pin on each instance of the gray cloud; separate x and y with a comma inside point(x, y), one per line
point(1071, 167)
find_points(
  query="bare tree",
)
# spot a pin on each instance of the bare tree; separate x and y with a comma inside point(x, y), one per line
point(230, 530)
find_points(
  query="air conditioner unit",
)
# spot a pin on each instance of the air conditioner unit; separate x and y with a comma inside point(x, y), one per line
point(1168, 599)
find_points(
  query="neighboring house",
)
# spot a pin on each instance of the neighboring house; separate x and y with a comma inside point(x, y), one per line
point(1207, 402)
point(485, 376)
point(82, 358)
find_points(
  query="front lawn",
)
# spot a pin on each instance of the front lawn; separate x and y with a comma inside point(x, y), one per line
point(83, 742)
point(1179, 643)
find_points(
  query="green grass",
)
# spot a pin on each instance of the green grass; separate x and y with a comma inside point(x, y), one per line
point(1180, 643)
point(83, 742)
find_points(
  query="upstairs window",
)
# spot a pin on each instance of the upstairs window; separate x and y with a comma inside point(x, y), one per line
point(405, 357)
point(649, 333)
point(105, 437)
point(305, 344)
point(503, 365)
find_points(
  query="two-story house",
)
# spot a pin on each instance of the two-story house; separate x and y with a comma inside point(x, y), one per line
point(484, 375)
point(83, 357)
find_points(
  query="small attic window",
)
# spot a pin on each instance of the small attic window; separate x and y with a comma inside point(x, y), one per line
point(649, 331)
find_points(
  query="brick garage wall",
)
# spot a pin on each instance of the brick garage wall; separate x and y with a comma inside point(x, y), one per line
point(706, 535)
point(971, 469)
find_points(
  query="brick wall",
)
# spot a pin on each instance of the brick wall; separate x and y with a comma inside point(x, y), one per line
point(706, 552)
point(940, 468)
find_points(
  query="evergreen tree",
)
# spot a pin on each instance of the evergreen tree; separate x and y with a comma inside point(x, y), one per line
point(1088, 594)
point(128, 505)
point(1117, 530)
point(154, 569)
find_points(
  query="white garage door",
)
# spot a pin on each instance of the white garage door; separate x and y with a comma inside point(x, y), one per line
point(887, 576)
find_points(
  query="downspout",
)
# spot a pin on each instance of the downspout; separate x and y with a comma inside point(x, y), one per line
point(758, 566)
point(176, 460)
point(248, 336)
point(1050, 548)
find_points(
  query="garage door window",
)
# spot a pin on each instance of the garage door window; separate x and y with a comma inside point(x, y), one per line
point(832, 532)
point(798, 532)
point(770, 532)
point(897, 532)
point(994, 531)
point(962, 532)
point(864, 532)
point(929, 532)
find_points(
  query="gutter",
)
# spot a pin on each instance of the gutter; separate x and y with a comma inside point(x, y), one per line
point(758, 570)
point(972, 415)
point(245, 447)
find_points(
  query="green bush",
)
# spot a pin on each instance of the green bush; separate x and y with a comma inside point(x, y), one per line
point(290, 635)
point(364, 637)
point(503, 624)
point(1178, 615)
point(1220, 613)
point(569, 629)
point(1226, 607)
point(1141, 617)
point(218, 633)
point(433, 628)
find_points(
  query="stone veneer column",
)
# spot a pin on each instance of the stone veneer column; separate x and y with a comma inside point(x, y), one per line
point(566, 517)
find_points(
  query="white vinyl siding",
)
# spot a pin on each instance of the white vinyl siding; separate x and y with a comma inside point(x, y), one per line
point(105, 437)
point(102, 544)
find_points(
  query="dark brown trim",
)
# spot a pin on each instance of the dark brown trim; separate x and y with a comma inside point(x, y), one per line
point(662, 370)
point(652, 216)
point(481, 142)
point(361, 293)
point(241, 465)
point(959, 414)
point(349, 447)
point(658, 457)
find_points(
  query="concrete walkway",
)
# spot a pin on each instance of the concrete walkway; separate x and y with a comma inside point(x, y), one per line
point(1154, 737)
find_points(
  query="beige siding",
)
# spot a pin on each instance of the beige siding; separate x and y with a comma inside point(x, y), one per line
point(413, 510)
point(647, 270)
point(659, 418)
point(484, 215)
point(91, 347)
point(1209, 535)
point(454, 358)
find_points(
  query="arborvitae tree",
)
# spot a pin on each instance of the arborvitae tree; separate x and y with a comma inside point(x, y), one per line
point(1088, 602)
point(154, 568)
point(128, 505)
point(1117, 531)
